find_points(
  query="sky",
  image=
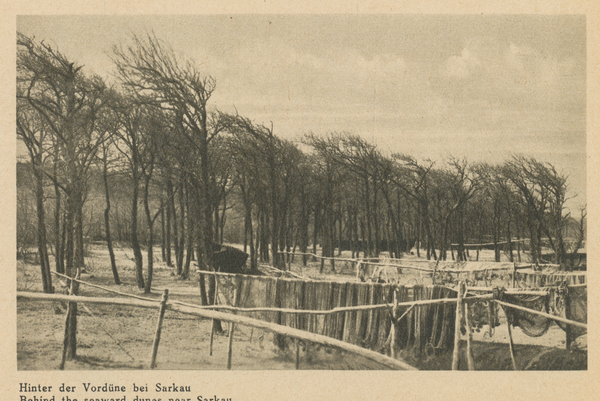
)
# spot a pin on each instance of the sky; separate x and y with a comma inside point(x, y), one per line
point(432, 86)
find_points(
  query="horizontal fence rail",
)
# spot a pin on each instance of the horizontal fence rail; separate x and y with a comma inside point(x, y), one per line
point(221, 312)
point(227, 317)
point(546, 315)
point(124, 294)
point(514, 269)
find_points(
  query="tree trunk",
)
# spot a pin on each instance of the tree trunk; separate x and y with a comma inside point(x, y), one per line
point(264, 237)
point(41, 231)
point(375, 219)
point(222, 222)
point(185, 274)
point(211, 301)
point(172, 217)
point(63, 241)
point(368, 248)
point(150, 233)
point(418, 242)
point(253, 259)
point(135, 244)
point(59, 244)
point(355, 224)
point(340, 229)
point(510, 243)
point(168, 260)
point(163, 245)
point(216, 224)
point(181, 227)
point(303, 226)
point(111, 252)
point(316, 227)
point(79, 255)
point(74, 205)
point(461, 237)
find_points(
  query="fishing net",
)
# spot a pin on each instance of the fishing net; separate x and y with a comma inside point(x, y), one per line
point(531, 324)
point(570, 303)
point(482, 313)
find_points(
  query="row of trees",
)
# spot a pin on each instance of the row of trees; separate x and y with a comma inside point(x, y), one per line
point(188, 166)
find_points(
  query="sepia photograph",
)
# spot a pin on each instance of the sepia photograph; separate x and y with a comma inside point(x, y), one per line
point(301, 192)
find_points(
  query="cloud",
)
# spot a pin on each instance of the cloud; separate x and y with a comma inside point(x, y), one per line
point(275, 75)
point(514, 75)
point(461, 66)
point(276, 59)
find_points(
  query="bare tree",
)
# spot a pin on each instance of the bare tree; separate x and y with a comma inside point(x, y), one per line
point(111, 125)
point(360, 158)
point(151, 69)
point(130, 145)
point(522, 172)
point(70, 105)
point(414, 180)
point(31, 130)
point(262, 150)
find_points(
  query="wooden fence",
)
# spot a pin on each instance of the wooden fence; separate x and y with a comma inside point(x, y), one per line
point(195, 310)
point(375, 268)
point(360, 318)
point(368, 325)
point(540, 279)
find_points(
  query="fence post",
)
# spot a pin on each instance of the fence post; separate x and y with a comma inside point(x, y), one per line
point(65, 341)
point(236, 291)
point(434, 272)
point(70, 343)
point(510, 340)
point(393, 331)
point(568, 330)
point(459, 308)
point(470, 359)
point(161, 316)
point(514, 274)
point(213, 323)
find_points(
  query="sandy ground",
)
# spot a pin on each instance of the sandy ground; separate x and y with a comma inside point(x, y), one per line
point(121, 337)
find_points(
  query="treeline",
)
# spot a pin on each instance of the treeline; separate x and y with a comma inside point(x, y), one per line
point(181, 173)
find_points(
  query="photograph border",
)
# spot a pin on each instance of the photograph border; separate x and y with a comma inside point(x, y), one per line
point(303, 385)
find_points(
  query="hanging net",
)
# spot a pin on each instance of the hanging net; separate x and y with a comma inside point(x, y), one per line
point(531, 324)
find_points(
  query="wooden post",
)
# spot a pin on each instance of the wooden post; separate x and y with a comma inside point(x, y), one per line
point(491, 318)
point(514, 274)
point(510, 341)
point(71, 310)
point(212, 327)
point(393, 331)
point(72, 316)
point(370, 313)
point(66, 339)
point(161, 316)
point(470, 359)
point(232, 325)
point(297, 354)
point(205, 313)
point(568, 331)
point(459, 308)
